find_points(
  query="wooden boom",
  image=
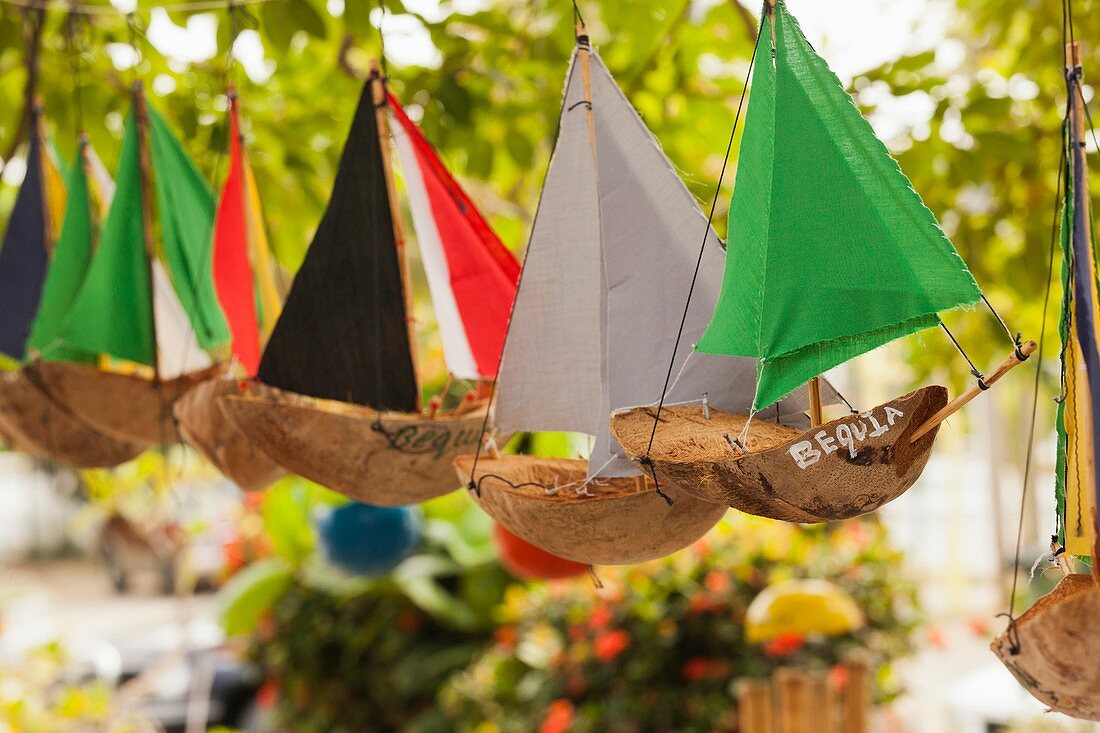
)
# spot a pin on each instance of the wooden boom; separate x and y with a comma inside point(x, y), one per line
point(1026, 349)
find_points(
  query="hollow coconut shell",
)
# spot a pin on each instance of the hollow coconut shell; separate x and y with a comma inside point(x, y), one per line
point(1052, 650)
point(35, 424)
point(838, 470)
point(205, 426)
point(617, 521)
point(383, 458)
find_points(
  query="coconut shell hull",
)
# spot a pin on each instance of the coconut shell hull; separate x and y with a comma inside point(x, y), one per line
point(1053, 649)
point(838, 470)
point(35, 424)
point(625, 522)
point(383, 458)
point(124, 406)
point(205, 426)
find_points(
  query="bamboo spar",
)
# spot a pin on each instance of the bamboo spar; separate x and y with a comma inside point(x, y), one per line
point(584, 47)
point(378, 96)
point(141, 119)
point(1026, 349)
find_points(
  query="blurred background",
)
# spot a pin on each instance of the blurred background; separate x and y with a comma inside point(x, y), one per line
point(158, 597)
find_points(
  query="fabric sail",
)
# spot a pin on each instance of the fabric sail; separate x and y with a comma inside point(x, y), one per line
point(87, 203)
point(114, 312)
point(1078, 417)
point(471, 275)
point(831, 252)
point(615, 231)
point(233, 279)
point(28, 240)
point(342, 334)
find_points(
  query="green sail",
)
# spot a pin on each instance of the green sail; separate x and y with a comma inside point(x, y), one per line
point(831, 253)
point(186, 207)
point(71, 256)
point(113, 313)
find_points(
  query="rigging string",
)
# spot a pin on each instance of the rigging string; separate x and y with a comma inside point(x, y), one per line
point(973, 369)
point(81, 9)
point(472, 484)
point(646, 460)
point(74, 29)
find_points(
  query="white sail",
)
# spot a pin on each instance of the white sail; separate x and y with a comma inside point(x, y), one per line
point(550, 372)
point(178, 349)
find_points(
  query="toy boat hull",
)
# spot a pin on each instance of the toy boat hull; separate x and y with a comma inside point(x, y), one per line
point(1051, 651)
point(841, 469)
point(35, 424)
point(124, 406)
point(624, 522)
point(205, 426)
point(383, 458)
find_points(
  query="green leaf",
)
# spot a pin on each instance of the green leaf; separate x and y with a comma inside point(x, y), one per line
point(286, 520)
point(306, 18)
point(253, 591)
point(519, 147)
point(277, 24)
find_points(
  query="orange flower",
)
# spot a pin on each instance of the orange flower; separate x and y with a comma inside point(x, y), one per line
point(838, 675)
point(506, 636)
point(783, 645)
point(718, 582)
point(600, 617)
point(696, 668)
point(559, 717)
point(611, 644)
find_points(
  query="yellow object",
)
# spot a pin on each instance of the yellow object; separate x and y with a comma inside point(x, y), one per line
point(270, 302)
point(803, 607)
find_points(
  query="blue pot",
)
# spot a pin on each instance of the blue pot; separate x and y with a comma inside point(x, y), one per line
point(369, 540)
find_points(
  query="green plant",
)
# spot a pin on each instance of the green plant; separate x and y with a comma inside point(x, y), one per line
point(659, 646)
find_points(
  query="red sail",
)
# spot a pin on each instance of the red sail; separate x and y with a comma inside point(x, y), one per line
point(471, 274)
point(232, 268)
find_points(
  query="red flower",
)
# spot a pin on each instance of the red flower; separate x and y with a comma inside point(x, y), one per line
point(559, 717)
point(718, 582)
point(611, 644)
point(267, 695)
point(600, 617)
point(783, 645)
point(696, 668)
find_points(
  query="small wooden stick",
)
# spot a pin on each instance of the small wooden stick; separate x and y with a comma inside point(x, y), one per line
point(754, 707)
point(814, 393)
point(584, 49)
point(1027, 349)
point(792, 687)
point(856, 699)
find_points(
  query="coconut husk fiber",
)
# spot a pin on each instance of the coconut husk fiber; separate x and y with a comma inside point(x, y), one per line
point(205, 426)
point(844, 475)
point(124, 406)
point(616, 521)
point(1053, 650)
point(35, 424)
point(384, 458)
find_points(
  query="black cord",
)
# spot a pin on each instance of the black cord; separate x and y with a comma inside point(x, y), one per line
point(702, 249)
point(973, 369)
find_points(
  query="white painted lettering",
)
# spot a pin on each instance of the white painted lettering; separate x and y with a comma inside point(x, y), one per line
point(804, 454)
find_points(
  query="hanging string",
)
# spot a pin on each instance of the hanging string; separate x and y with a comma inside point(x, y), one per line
point(578, 19)
point(35, 20)
point(382, 39)
point(973, 369)
point(646, 460)
point(74, 42)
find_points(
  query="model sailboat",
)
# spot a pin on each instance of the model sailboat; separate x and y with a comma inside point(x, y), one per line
point(42, 262)
point(248, 297)
point(147, 299)
point(831, 254)
point(337, 398)
point(1051, 649)
point(593, 319)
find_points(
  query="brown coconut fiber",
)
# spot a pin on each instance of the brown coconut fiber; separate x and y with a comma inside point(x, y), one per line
point(35, 424)
point(384, 458)
point(1053, 649)
point(205, 426)
point(124, 406)
point(617, 521)
point(838, 470)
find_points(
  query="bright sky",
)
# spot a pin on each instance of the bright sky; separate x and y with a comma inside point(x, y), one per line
point(853, 35)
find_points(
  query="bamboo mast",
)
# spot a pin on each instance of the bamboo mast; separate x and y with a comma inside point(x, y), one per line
point(141, 118)
point(378, 96)
point(584, 50)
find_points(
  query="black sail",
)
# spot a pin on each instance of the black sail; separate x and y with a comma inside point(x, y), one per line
point(342, 334)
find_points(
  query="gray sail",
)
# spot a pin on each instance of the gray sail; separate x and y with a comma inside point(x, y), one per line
point(550, 370)
point(651, 229)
